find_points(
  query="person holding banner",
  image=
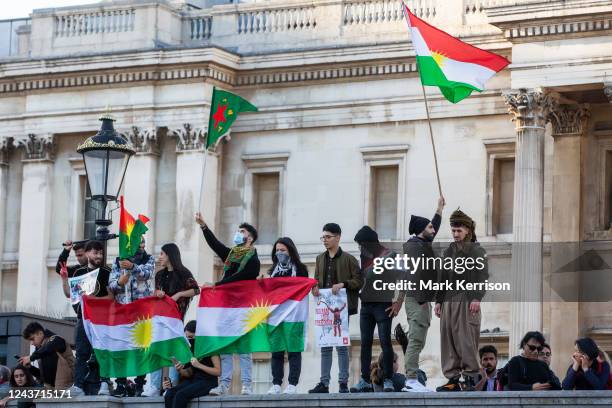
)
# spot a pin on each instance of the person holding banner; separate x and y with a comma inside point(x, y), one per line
point(130, 280)
point(378, 307)
point(94, 276)
point(286, 262)
point(240, 263)
point(337, 270)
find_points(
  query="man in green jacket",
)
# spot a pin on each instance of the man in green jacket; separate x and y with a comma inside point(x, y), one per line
point(337, 270)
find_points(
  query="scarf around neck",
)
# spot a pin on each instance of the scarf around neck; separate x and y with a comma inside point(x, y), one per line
point(238, 254)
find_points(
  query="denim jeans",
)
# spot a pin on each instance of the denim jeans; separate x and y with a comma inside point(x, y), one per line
point(373, 314)
point(156, 377)
point(327, 355)
point(83, 352)
point(278, 367)
point(227, 368)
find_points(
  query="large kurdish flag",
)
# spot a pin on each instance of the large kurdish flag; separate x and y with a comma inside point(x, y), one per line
point(254, 315)
point(136, 338)
point(130, 232)
point(457, 68)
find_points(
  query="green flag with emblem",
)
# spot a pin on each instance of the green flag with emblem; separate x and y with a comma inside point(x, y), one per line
point(224, 110)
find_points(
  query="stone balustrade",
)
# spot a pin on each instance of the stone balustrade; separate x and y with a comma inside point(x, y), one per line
point(246, 27)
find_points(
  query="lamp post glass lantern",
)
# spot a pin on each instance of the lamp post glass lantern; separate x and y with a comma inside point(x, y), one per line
point(106, 156)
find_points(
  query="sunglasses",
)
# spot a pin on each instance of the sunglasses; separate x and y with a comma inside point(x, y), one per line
point(534, 348)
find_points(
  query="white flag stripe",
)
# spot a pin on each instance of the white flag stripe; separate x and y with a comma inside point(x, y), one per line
point(458, 71)
point(120, 337)
point(231, 321)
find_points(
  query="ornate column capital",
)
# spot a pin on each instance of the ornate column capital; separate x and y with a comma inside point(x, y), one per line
point(189, 138)
point(569, 119)
point(36, 148)
point(530, 108)
point(143, 140)
point(6, 143)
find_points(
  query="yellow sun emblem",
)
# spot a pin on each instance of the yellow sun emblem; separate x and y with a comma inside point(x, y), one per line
point(439, 58)
point(257, 315)
point(142, 332)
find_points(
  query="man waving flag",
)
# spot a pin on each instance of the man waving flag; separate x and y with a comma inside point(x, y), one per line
point(457, 68)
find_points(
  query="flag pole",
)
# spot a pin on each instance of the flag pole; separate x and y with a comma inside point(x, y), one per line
point(433, 145)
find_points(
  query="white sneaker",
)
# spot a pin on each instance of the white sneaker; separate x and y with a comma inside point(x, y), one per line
point(76, 391)
point(274, 389)
point(104, 389)
point(220, 390)
point(290, 389)
point(151, 391)
point(413, 385)
point(248, 389)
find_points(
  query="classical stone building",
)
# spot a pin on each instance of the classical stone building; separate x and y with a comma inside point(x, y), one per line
point(341, 135)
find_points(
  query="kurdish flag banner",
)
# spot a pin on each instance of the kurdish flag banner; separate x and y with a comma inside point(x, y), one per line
point(457, 68)
point(253, 315)
point(224, 109)
point(136, 338)
point(130, 232)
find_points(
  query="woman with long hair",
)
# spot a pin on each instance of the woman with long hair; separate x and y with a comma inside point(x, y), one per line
point(176, 281)
point(285, 263)
point(587, 372)
point(21, 377)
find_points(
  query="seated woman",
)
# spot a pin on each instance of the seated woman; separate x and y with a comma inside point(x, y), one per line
point(586, 371)
point(204, 377)
point(526, 372)
point(21, 378)
point(377, 375)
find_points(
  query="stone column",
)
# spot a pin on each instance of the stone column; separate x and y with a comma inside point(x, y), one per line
point(530, 110)
point(35, 222)
point(140, 188)
point(568, 126)
point(5, 145)
point(191, 155)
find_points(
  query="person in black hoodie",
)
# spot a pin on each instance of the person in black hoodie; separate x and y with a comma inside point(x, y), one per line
point(240, 263)
point(526, 372)
point(586, 371)
point(285, 263)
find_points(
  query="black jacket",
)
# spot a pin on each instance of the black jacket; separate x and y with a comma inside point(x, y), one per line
point(417, 248)
point(523, 373)
point(477, 270)
point(250, 271)
point(63, 257)
point(48, 354)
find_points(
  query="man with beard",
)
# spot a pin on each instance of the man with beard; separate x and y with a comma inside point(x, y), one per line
point(459, 310)
point(376, 309)
point(95, 259)
point(488, 369)
point(418, 306)
point(79, 252)
point(130, 280)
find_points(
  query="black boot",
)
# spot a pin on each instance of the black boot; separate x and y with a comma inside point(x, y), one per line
point(343, 389)
point(320, 388)
point(120, 390)
point(451, 385)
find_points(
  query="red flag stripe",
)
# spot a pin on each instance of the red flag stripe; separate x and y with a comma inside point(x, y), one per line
point(251, 292)
point(451, 47)
point(110, 313)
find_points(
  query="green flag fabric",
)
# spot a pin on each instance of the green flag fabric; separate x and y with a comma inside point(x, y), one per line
point(224, 109)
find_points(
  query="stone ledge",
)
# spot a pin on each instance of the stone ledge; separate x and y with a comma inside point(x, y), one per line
point(566, 399)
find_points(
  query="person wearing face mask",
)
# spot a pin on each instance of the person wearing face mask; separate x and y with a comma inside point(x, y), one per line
point(378, 307)
point(417, 302)
point(240, 263)
point(130, 280)
point(285, 263)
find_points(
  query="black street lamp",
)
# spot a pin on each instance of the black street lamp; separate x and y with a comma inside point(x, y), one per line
point(106, 156)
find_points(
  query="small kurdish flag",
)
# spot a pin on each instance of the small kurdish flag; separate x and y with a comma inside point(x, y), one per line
point(457, 68)
point(224, 108)
point(252, 316)
point(136, 338)
point(130, 232)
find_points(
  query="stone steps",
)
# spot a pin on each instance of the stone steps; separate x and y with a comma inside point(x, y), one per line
point(566, 399)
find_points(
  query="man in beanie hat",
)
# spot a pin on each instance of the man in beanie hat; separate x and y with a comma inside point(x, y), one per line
point(458, 308)
point(418, 306)
point(376, 307)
